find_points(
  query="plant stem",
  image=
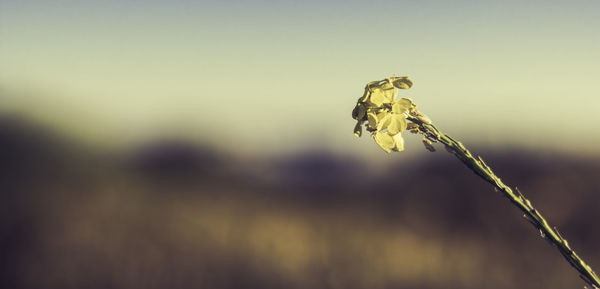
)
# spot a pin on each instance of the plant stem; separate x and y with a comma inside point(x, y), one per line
point(477, 165)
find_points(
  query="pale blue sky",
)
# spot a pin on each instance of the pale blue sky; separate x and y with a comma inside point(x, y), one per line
point(281, 75)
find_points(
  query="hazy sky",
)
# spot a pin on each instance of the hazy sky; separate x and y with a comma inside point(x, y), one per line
point(273, 75)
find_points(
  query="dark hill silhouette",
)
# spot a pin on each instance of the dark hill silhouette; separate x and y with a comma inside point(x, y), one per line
point(170, 158)
point(316, 220)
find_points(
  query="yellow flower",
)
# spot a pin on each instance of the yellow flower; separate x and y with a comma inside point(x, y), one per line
point(385, 117)
point(389, 123)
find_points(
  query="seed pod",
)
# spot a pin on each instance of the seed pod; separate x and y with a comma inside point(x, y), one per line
point(428, 145)
point(358, 129)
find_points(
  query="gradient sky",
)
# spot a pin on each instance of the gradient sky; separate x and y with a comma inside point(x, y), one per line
point(278, 76)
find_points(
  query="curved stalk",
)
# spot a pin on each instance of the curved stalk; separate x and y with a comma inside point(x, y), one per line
point(477, 165)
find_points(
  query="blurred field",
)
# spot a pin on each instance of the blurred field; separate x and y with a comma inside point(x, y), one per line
point(174, 215)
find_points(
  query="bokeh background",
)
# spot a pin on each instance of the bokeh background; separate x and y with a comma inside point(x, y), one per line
point(208, 144)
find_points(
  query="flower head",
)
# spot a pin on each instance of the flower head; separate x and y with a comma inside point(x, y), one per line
point(385, 117)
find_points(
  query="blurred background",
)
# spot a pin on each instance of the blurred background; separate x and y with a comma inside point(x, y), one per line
point(208, 144)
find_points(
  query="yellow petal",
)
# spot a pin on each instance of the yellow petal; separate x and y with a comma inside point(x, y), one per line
point(398, 143)
point(376, 98)
point(397, 124)
point(384, 119)
point(402, 82)
point(372, 120)
point(402, 105)
point(385, 141)
point(389, 92)
point(403, 123)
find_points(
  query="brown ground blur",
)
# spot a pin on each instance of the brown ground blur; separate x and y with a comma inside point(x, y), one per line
point(172, 215)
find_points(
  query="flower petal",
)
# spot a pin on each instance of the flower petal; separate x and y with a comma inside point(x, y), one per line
point(397, 124)
point(384, 118)
point(402, 105)
point(377, 97)
point(372, 118)
point(389, 92)
point(398, 143)
point(385, 141)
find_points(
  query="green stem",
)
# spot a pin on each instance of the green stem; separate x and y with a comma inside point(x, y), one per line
point(477, 165)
